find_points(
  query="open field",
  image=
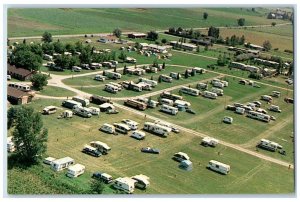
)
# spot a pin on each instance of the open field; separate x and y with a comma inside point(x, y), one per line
point(56, 92)
point(33, 22)
point(125, 159)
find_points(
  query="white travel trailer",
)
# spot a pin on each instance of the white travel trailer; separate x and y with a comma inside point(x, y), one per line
point(133, 125)
point(218, 84)
point(125, 184)
point(190, 91)
point(94, 110)
point(208, 141)
point(95, 65)
point(259, 116)
point(166, 101)
point(99, 77)
point(111, 88)
point(210, 95)
point(266, 98)
point(20, 86)
point(157, 129)
point(202, 86)
point(148, 81)
point(218, 91)
point(49, 110)
point(182, 103)
point(199, 70)
point(240, 110)
point(276, 94)
point(166, 78)
point(71, 104)
point(83, 101)
point(142, 181)
point(113, 75)
point(218, 167)
point(10, 144)
point(269, 145)
point(75, 170)
point(139, 135)
point(119, 86)
point(82, 111)
point(101, 146)
point(169, 109)
point(62, 163)
point(122, 128)
point(108, 128)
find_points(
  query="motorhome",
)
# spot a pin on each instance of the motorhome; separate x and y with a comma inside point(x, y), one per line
point(171, 96)
point(60, 164)
point(135, 104)
point(199, 70)
point(157, 129)
point(217, 83)
point(210, 95)
point(94, 110)
point(95, 65)
point(99, 100)
point(180, 156)
point(84, 102)
point(132, 124)
point(169, 109)
point(99, 77)
point(166, 78)
point(71, 104)
point(20, 86)
point(130, 60)
point(182, 103)
point(82, 111)
point(108, 64)
point(122, 128)
point(190, 91)
point(49, 110)
point(202, 86)
point(101, 146)
point(108, 128)
point(266, 98)
point(142, 181)
point(144, 86)
point(139, 135)
point(218, 91)
point(112, 75)
point(218, 167)
point(125, 184)
point(166, 101)
point(111, 88)
point(208, 141)
point(87, 149)
point(269, 145)
point(259, 116)
point(75, 170)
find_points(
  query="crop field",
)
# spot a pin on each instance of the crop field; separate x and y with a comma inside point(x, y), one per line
point(125, 159)
point(33, 22)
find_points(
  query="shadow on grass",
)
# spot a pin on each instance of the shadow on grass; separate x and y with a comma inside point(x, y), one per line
point(14, 162)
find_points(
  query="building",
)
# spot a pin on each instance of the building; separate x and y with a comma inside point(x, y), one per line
point(108, 39)
point(15, 96)
point(136, 35)
point(201, 42)
point(185, 46)
point(19, 73)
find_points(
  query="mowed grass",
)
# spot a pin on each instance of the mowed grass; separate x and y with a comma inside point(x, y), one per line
point(248, 174)
point(34, 21)
point(56, 92)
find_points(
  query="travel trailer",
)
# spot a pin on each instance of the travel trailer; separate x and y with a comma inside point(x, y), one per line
point(20, 86)
point(269, 145)
point(190, 91)
point(49, 110)
point(125, 184)
point(259, 116)
point(276, 94)
point(266, 98)
point(169, 109)
point(208, 141)
point(148, 81)
point(75, 170)
point(60, 164)
point(132, 124)
point(218, 167)
point(218, 91)
point(119, 86)
point(166, 78)
point(111, 88)
point(210, 95)
point(101, 146)
point(94, 110)
point(157, 129)
point(112, 75)
point(139, 135)
point(122, 128)
point(108, 128)
point(142, 181)
point(82, 111)
point(99, 77)
point(180, 156)
point(274, 108)
point(84, 102)
point(202, 86)
point(182, 103)
point(150, 103)
point(170, 96)
point(166, 101)
point(71, 104)
point(135, 104)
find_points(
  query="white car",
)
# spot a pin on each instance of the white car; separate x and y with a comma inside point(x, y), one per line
point(132, 124)
point(139, 135)
point(228, 119)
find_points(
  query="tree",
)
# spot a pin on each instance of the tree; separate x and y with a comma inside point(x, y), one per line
point(24, 41)
point(122, 56)
point(11, 116)
point(124, 70)
point(273, 24)
point(47, 37)
point(267, 45)
point(48, 48)
point(27, 60)
point(97, 187)
point(8, 42)
point(214, 32)
point(186, 74)
point(73, 61)
point(85, 57)
point(291, 69)
point(163, 65)
point(206, 48)
point(59, 47)
point(159, 79)
point(198, 49)
point(115, 68)
point(193, 73)
point(117, 32)
point(241, 21)
point(164, 41)
point(152, 36)
point(205, 15)
point(62, 61)
point(39, 81)
point(172, 30)
point(242, 40)
point(36, 49)
point(30, 137)
point(70, 48)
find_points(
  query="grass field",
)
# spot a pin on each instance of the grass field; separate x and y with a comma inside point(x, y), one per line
point(30, 21)
point(125, 159)
point(56, 92)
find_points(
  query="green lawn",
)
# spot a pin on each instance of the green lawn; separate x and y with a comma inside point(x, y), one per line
point(66, 138)
point(56, 92)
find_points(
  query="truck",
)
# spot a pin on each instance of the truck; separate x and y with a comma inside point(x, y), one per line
point(157, 129)
point(169, 109)
point(84, 102)
point(268, 145)
point(135, 104)
point(210, 95)
point(70, 104)
point(218, 167)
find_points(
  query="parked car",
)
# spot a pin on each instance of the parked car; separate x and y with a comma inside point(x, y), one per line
point(150, 150)
point(289, 100)
point(112, 111)
point(106, 178)
point(228, 119)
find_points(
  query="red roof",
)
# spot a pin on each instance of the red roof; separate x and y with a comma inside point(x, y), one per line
point(20, 71)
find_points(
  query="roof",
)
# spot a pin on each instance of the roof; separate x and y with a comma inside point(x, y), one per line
point(63, 160)
point(126, 180)
point(106, 105)
point(138, 34)
point(13, 92)
point(219, 163)
point(142, 178)
point(50, 159)
point(101, 143)
point(184, 155)
point(77, 167)
point(20, 71)
point(186, 162)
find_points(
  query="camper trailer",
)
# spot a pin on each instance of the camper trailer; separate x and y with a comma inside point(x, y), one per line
point(122, 128)
point(95, 65)
point(181, 103)
point(49, 110)
point(125, 184)
point(84, 102)
point(112, 75)
point(75, 170)
point(274, 108)
point(111, 88)
point(157, 129)
point(119, 86)
point(175, 75)
point(269, 145)
point(99, 77)
point(276, 94)
point(20, 86)
point(180, 156)
point(106, 178)
point(266, 98)
point(165, 101)
point(87, 149)
point(82, 111)
point(49, 160)
point(142, 181)
point(71, 104)
point(240, 110)
point(62, 163)
point(99, 100)
point(202, 86)
point(150, 103)
point(169, 109)
point(259, 116)
point(218, 91)
point(139, 135)
point(190, 91)
point(208, 141)
point(67, 114)
point(94, 110)
point(101, 146)
point(210, 95)
point(217, 83)
point(135, 104)
point(218, 167)
point(148, 81)
point(166, 78)
point(170, 96)
point(108, 128)
point(132, 124)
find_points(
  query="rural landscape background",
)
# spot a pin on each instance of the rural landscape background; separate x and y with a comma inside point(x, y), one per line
point(253, 171)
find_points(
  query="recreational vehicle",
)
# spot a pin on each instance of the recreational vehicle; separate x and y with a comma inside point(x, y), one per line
point(228, 119)
point(111, 88)
point(122, 128)
point(170, 96)
point(218, 167)
point(169, 109)
point(82, 111)
point(199, 70)
point(144, 86)
point(94, 110)
point(208, 141)
point(112, 75)
point(182, 103)
point(132, 124)
point(106, 178)
point(166, 78)
point(108, 128)
point(166, 101)
point(157, 129)
point(148, 81)
point(75, 170)
point(276, 94)
point(139, 135)
point(266, 98)
point(190, 91)
point(142, 181)
point(101, 146)
point(99, 100)
point(259, 116)
point(202, 86)
point(125, 184)
point(210, 95)
point(240, 110)
point(95, 65)
point(20, 86)
point(62, 163)
point(135, 104)
point(87, 149)
point(274, 108)
point(71, 104)
point(84, 102)
point(180, 156)
point(269, 145)
point(218, 91)
point(49, 160)
point(49, 110)
point(99, 77)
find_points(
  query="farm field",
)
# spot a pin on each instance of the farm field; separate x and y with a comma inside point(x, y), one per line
point(33, 22)
point(125, 159)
